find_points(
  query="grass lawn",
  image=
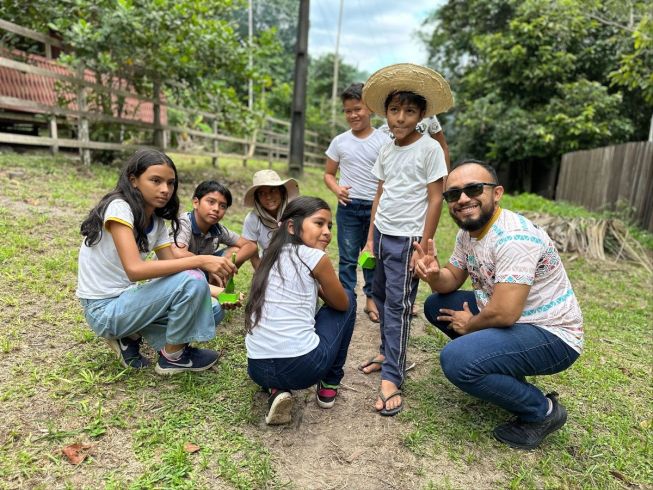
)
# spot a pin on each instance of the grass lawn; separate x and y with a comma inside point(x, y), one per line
point(60, 385)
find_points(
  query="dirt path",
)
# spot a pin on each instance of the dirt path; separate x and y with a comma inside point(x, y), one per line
point(351, 446)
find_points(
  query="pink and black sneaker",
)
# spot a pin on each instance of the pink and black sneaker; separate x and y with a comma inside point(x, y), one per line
point(326, 394)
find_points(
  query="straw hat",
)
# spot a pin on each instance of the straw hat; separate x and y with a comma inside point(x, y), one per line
point(270, 178)
point(410, 78)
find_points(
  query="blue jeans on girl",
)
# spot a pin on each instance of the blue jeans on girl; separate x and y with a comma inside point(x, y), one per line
point(491, 364)
point(324, 363)
point(175, 309)
point(353, 222)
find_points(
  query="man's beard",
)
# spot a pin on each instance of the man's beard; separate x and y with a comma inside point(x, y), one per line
point(476, 224)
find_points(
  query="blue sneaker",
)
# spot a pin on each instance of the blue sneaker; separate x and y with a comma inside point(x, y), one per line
point(129, 352)
point(191, 359)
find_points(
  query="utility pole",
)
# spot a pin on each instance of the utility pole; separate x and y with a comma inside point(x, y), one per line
point(336, 63)
point(298, 119)
point(250, 89)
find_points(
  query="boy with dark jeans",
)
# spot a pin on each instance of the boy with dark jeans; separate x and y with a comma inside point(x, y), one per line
point(354, 153)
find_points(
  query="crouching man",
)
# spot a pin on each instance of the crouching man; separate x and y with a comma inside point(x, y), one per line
point(522, 318)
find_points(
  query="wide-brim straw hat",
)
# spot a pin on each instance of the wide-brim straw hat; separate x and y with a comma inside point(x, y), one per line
point(407, 77)
point(272, 179)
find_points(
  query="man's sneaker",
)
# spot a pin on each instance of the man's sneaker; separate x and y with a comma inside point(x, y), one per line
point(191, 359)
point(529, 435)
point(326, 394)
point(280, 407)
point(129, 352)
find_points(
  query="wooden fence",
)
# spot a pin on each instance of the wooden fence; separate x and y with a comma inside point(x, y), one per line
point(610, 178)
point(53, 121)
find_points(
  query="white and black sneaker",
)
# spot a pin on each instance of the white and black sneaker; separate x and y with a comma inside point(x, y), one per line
point(129, 352)
point(279, 407)
point(191, 359)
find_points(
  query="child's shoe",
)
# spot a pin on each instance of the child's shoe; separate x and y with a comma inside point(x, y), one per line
point(191, 359)
point(280, 407)
point(129, 352)
point(326, 394)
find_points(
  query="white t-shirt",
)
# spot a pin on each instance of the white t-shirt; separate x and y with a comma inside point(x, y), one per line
point(516, 251)
point(100, 273)
point(406, 171)
point(287, 324)
point(256, 231)
point(355, 157)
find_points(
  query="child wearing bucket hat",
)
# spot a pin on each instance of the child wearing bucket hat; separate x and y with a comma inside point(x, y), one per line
point(406, 208)
point(268, 195)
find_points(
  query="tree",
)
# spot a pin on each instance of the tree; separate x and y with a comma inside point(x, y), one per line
point(191, 45)
point(534, 79)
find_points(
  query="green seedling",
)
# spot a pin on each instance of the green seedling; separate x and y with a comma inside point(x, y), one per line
point(229, 295)
point(366, 260)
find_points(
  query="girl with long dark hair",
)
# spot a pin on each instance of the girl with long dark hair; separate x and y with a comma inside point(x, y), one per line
point(121, 303)
point(290, 343)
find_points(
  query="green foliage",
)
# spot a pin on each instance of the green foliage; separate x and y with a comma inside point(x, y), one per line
point(535, 79)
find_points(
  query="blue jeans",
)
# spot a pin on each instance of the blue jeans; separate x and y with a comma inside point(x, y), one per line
point(324, 363)
point(175, 309)
point(491, 364)
point(353, 222)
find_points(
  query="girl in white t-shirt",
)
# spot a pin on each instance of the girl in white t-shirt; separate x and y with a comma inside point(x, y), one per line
point(120, 232)
point(269, 196)
point(290, 343)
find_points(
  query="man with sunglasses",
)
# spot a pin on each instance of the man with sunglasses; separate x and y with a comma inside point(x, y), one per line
point(522, 318)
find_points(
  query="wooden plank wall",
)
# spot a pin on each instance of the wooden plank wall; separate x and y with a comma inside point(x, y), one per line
point(610, 177)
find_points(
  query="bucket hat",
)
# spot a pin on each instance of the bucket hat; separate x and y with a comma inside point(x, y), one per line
point(272, 179)
point(409, 78)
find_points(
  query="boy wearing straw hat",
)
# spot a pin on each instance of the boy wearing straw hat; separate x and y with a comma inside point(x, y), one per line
point(406, 208)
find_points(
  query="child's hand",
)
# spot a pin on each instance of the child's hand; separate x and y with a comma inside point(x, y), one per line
point(220, 266)
point(233, 306)
point(369, 247)
point(427, 267)
point(343, 194)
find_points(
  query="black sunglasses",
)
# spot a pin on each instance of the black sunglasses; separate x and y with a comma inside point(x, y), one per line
point(471, 190)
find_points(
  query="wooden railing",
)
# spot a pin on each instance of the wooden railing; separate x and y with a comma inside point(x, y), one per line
point(147, 115)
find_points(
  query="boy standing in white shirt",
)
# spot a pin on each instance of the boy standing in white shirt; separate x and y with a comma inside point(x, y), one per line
point(354, 153)
point(406, 208)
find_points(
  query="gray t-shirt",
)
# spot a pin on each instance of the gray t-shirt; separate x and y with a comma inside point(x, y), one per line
point(202, 243)
point(255, 231)
point(100, 273)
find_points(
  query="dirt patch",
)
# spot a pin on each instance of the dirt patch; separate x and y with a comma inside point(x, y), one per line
point(351, 446)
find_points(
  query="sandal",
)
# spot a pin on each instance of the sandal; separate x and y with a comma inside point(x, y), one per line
point(375, 361)
point(369, 314)
point(392, 411)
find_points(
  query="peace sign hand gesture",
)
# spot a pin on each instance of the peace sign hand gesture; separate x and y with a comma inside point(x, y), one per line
point(427, 267)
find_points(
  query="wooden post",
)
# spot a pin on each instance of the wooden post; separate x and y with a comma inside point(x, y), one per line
point(159, 139)
point(296, 149)
point(82, 123)
point(53, 134)
point(214, 160)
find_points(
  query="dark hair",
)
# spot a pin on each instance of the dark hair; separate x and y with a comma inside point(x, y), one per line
point(406, 98)
point(138, 163)
point(297, 211)
point(209, 186)
point(353, 92)
point(472, 161)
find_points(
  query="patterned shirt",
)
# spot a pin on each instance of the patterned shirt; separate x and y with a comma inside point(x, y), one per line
point(516, 251)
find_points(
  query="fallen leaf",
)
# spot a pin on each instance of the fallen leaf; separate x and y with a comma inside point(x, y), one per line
point(355, 455)
point(76, 453)
point(619, 476)
point(189, 447)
